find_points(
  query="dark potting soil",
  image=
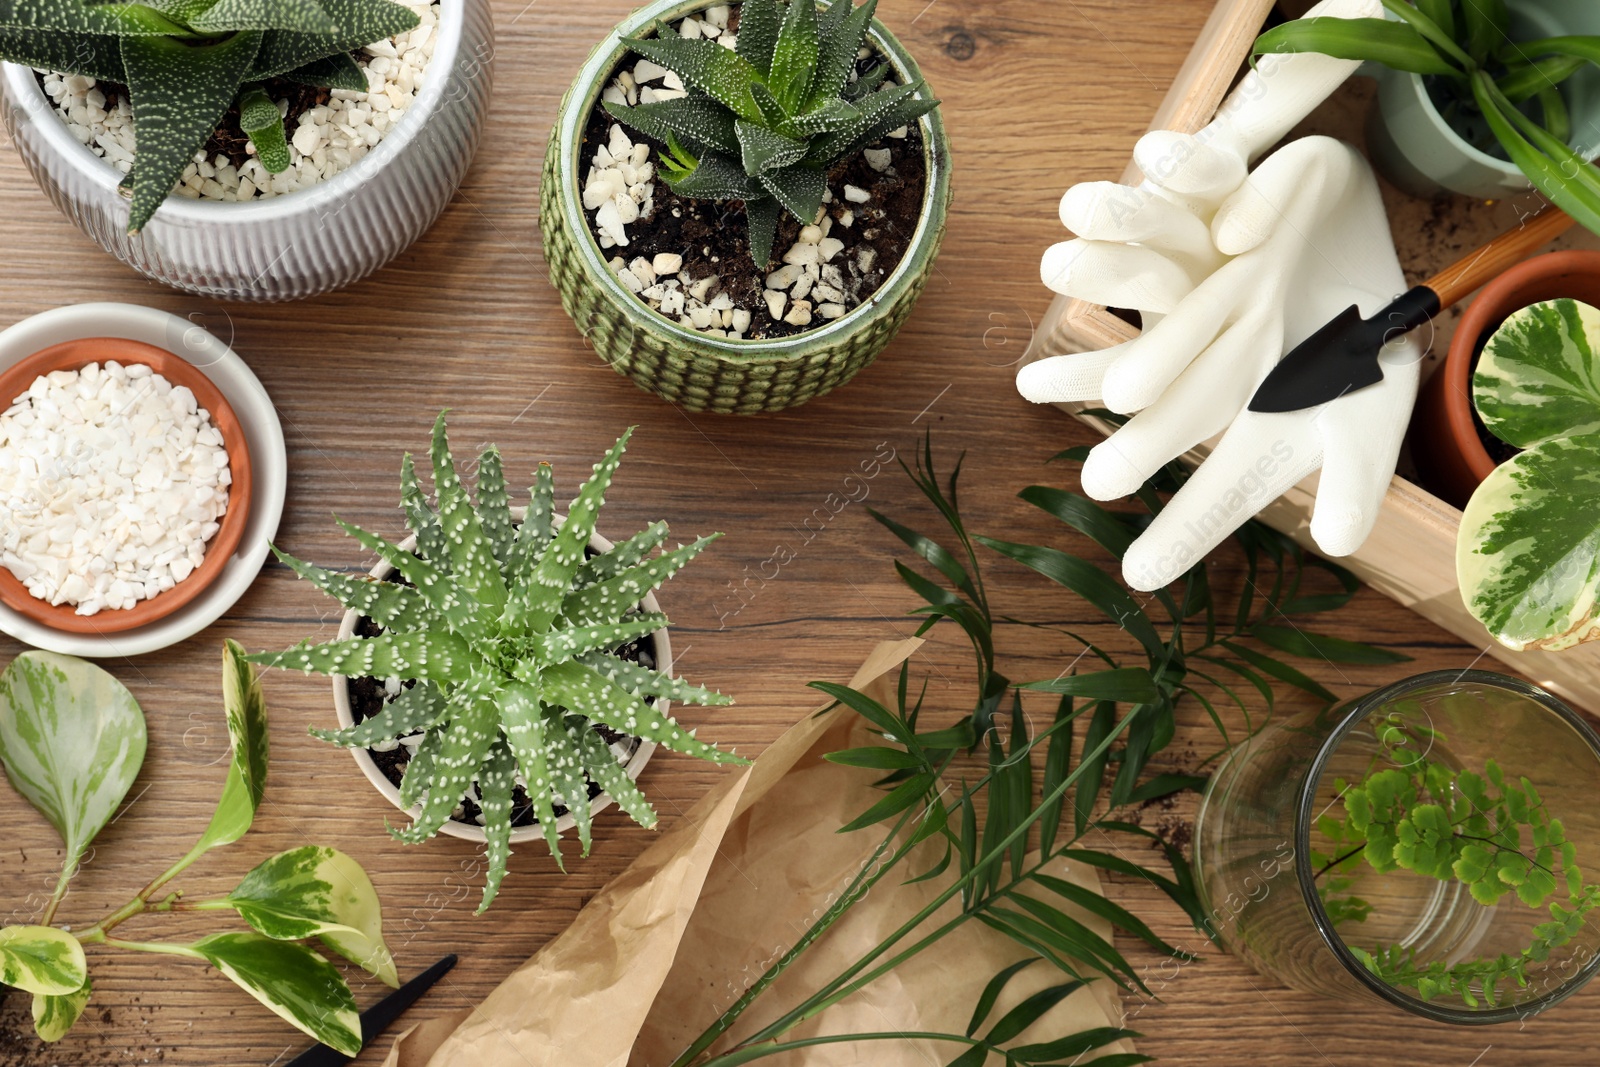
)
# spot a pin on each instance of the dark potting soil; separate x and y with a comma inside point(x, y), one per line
point(229, 139)
point(713, 238)
point(1498, 450)
point(368, 697)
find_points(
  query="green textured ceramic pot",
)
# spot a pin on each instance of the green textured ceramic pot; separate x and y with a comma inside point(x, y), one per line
point(699, 371)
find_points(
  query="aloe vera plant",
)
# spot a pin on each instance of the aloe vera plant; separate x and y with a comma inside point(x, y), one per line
point(764, 122)
point(1528, 552)
point(1477, 72)
point(510, 634)
point(184, 63)
point(72, 741)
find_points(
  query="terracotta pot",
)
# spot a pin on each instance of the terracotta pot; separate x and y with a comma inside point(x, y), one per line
point(1445, 445)
point(75, 355)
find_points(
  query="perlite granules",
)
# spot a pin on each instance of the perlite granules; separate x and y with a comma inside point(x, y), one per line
point(112, 480)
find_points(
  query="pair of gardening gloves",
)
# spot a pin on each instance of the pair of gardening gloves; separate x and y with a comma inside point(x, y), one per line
point(1229, 270)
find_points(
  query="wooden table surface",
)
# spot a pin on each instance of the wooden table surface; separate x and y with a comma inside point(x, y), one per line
point(1038, 94)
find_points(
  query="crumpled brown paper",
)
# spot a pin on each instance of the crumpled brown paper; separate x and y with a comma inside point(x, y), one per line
point(676, 938)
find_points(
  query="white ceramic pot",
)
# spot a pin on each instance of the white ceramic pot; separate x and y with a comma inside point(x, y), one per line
point(1413, 145)
point(641, 755)
point(290, 246)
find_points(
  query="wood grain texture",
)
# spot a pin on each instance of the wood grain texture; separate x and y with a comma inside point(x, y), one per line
point(1049, 92)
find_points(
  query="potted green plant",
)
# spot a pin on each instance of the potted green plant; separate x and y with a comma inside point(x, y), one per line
point(514, 643)
point(1529, 542)
point(257, 151)
point(72, 740)
point(742, 203)
point(1480, 97)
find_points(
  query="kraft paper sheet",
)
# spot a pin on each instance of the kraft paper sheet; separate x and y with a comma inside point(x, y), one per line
point(677, 937)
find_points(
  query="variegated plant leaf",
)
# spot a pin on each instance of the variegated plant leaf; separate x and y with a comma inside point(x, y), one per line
point(72, 740)
point(41, 960)
point(1539, 376)
point(295, 983)
point(319, 892)
point(55, 1014)
point(1528, 552)
point(247, 738)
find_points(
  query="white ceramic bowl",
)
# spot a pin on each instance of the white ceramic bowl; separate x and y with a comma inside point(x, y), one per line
point(635, 764)
point(263, 436)
point(291, 246)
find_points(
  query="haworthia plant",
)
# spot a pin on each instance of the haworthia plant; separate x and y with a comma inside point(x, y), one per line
point(764, 122)
point(72, 741)
point(510, 633)
point(184, 63)
point(1528, 553)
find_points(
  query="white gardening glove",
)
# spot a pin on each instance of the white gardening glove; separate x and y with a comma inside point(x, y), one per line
point(1309, 237)
point(1146, 247)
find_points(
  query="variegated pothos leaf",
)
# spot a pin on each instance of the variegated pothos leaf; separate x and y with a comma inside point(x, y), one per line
point(41, 960)
point(314, 891)
point(1539, 376)
point(72, 740)
point(1528, 552)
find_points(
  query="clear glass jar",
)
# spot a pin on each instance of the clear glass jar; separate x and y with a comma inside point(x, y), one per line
point(1265, 865)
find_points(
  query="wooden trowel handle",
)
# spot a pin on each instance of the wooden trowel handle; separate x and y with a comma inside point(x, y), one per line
point(1463, 277)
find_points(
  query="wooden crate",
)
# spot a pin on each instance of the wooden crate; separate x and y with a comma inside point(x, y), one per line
point(1410, 556)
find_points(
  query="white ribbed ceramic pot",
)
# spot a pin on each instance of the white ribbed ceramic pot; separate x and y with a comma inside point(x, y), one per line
point(662, 647)
point(290, 246)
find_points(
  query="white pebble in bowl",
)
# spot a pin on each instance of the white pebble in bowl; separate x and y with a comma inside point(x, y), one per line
point(263, 435)
point(112, 480)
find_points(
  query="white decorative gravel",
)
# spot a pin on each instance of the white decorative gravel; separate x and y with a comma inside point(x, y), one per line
point(326, 139)
point(821, 276)
point(112, 480)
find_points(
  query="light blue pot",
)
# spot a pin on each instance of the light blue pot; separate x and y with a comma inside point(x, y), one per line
point(1413, 146)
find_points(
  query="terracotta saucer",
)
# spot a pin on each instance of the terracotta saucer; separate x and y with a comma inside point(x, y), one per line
point(73, 355)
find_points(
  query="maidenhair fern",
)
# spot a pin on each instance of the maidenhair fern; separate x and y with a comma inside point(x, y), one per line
point(764, 122)
point(510, 634)
point(1488, 832)
point(186, 62)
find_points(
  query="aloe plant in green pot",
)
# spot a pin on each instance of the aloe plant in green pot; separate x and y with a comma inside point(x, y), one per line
point(780, 180)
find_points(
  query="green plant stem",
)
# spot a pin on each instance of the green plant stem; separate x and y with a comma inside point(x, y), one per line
point(747, 1053)
point(96, 934)
point(159, 947)
point(859, 886)
point(815, 1002)
point(57, 896)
